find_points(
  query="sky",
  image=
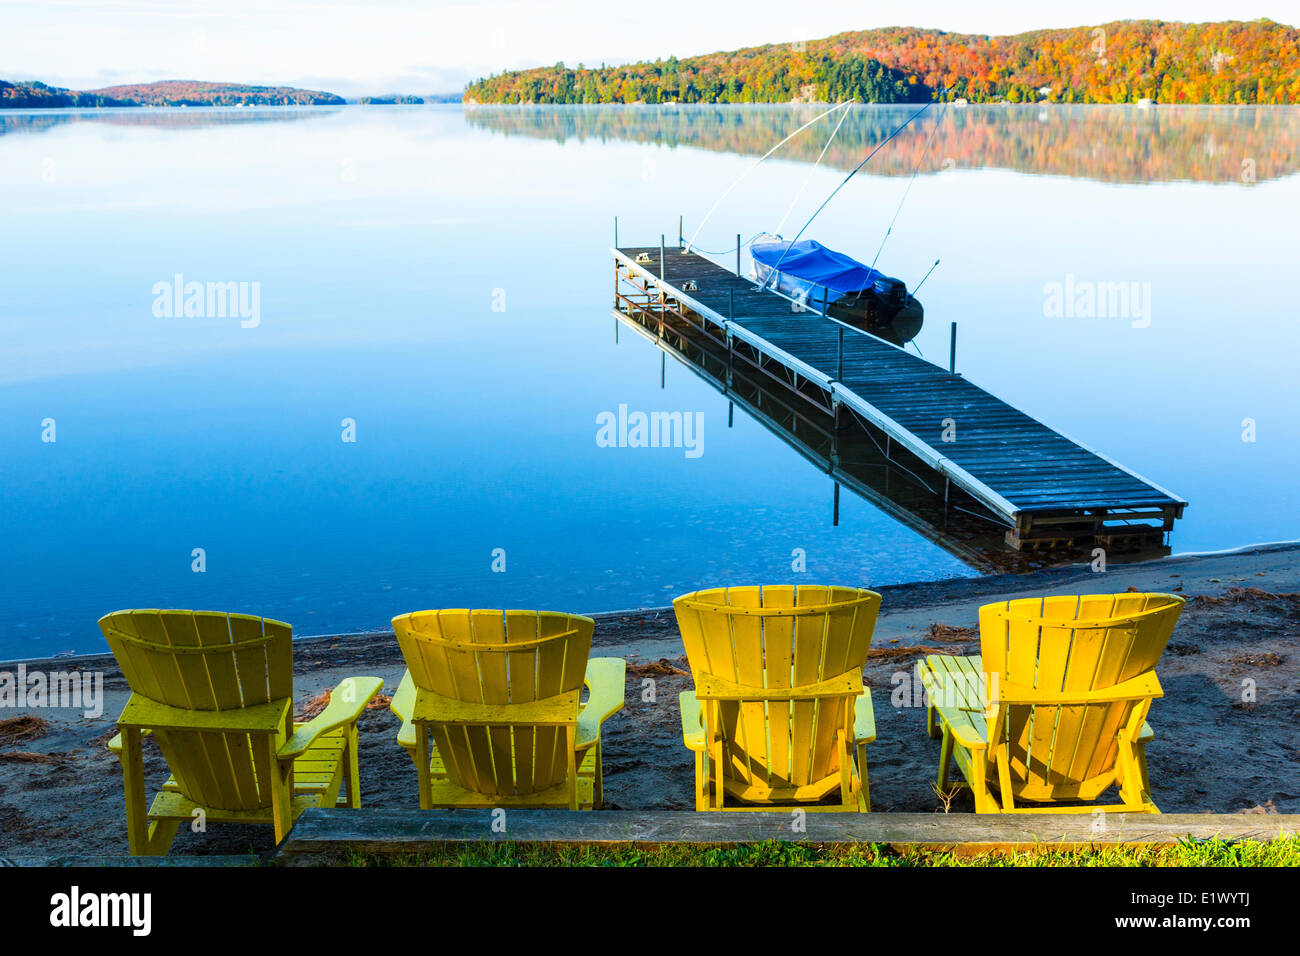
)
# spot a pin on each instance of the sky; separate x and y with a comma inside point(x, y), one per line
point(436, 46)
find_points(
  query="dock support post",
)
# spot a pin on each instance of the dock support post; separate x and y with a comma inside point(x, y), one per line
point(737, 255)
point(952, 351)
point(681, 240)
point(839, 358)
point(662, 276)
point(731, 303)
point(731, 413)
point(835, 517)
point(825, 298)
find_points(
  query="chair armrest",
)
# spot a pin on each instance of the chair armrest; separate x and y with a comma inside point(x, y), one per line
point(605, 682)
point(403, 705)
point(864, 719)
point(692, 720)
point(347, 701)
point(115, 745)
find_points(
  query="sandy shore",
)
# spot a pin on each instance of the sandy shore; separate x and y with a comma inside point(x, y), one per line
point(61, 792)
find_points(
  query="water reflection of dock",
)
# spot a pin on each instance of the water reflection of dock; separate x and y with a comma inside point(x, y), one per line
point(872, 416)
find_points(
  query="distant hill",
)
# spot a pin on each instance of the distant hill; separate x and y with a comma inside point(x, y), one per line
point(405, 100)
point(1121, 62)
point(35, 95)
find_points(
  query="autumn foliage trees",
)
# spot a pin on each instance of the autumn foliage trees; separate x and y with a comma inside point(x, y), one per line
point(1122, 62)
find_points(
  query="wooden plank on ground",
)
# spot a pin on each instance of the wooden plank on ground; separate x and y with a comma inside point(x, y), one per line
point(390, 831)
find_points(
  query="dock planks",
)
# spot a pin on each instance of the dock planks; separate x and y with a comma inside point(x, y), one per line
point(1039, 482)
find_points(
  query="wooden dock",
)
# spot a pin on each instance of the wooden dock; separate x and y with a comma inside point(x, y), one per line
point(1047, 490)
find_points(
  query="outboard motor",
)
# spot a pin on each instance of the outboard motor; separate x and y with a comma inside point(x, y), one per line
point(899, 314)
point(891, 293)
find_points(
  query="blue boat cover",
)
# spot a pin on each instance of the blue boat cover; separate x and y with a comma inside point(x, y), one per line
point(815, 265)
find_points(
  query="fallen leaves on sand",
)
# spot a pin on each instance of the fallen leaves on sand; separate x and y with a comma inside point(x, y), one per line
point(310, 708)
point(14, 730)
point(950, 634)
point(1266, 659)
point(1266, 807)
point(908, 650)
point(1236, 595)
point(27, 756)
point(661, 667)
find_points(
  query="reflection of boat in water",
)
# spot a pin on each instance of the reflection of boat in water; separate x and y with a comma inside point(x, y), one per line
point(838, 285)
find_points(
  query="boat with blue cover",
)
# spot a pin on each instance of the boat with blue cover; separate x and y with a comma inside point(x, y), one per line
point(810, 274)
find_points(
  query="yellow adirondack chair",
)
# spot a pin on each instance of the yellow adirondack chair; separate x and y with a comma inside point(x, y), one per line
point(491, 707)
point(216, 693)
point(779, 714)
point(1054, 709)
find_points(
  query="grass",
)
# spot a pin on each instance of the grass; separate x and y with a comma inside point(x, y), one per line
point(1284, 851)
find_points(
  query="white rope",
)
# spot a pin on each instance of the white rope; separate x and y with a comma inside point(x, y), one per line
point(756, 165)
point(795, 201)
point(879, 146)
point(915, 169)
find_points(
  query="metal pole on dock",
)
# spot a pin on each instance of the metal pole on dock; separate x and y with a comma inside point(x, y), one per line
point(661, 257)
point(839, 358)
point(681, 242)
point(835, 520)
point(952, 351)
point(731, 303)
point(825, 298)
point(731, 412)
point(737, 255)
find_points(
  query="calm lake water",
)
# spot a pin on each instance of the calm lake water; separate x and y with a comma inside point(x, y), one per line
point(441, 279)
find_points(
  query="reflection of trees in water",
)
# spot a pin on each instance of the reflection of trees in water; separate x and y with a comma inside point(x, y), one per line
point(1108, 143)
point(156, 118)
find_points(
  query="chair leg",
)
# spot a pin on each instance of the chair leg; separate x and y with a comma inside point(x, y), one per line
point(701, 781)
point(1004, 780)
point(352, 767)
point(945, 759)
point(142, 837)
point(571, 743)
point(978, 778)
point(1134, 787)
point(281, 790)
point(847, 797)
point(862, 775)
point(422, 773)
point(598, 794)
point(931, 730)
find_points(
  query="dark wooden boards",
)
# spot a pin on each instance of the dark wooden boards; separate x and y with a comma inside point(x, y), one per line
point(1012, 462)
point(401, 831)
